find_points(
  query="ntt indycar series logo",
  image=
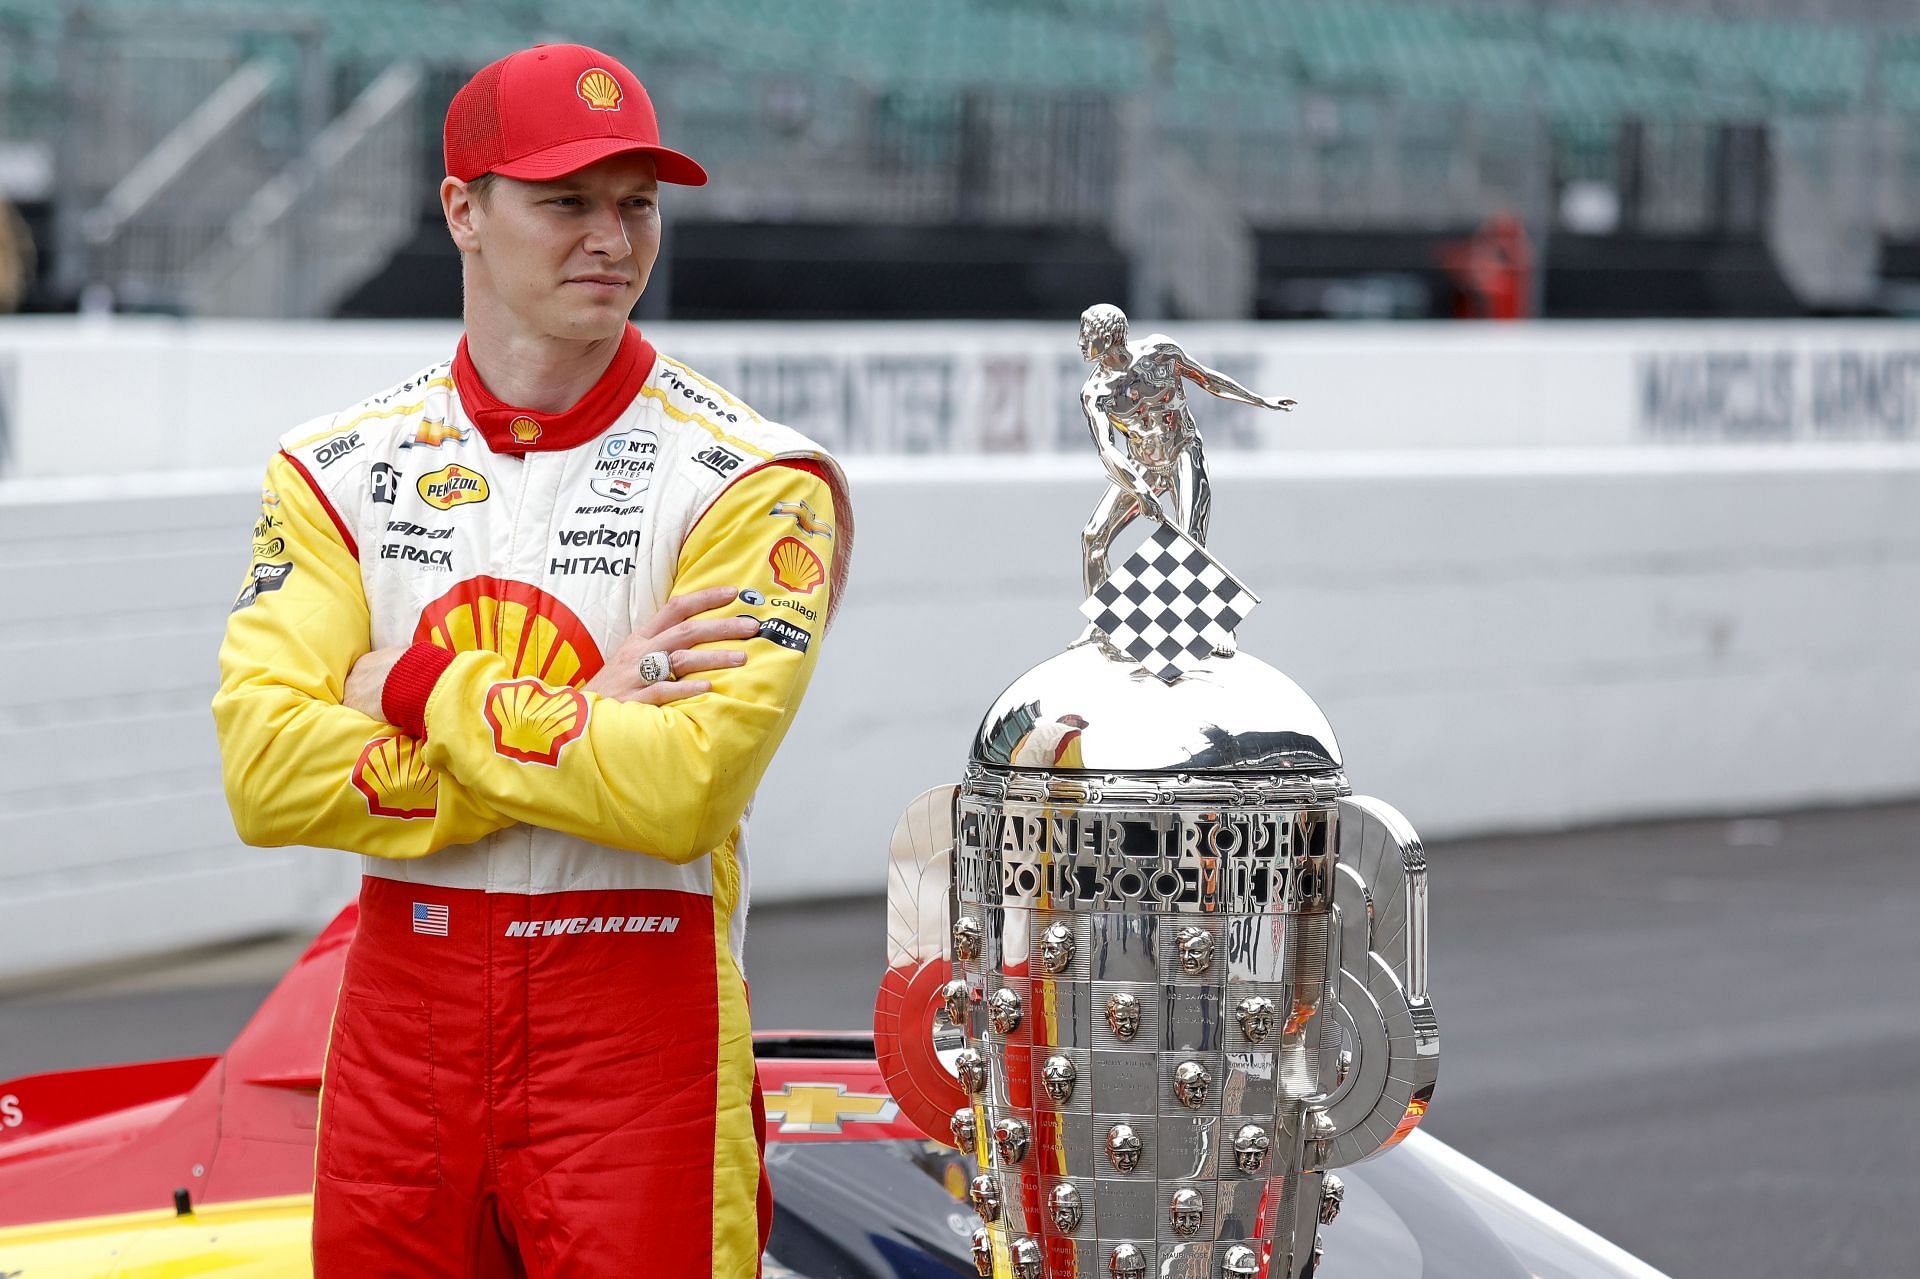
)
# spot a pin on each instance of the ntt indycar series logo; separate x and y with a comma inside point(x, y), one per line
point(592, 924)
point(624, 468)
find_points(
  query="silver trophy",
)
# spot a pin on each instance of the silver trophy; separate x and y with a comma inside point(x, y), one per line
point(1152, 963)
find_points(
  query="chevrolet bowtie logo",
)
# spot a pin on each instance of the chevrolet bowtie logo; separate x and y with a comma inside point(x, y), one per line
point(825, 1107)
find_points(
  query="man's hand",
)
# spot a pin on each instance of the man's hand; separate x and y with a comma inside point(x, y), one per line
point(675, 630)
point(367, 681)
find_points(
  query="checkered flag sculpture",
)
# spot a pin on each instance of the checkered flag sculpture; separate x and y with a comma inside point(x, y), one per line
point(1169, 605)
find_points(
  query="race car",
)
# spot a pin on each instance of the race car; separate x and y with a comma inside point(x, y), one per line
point(205, 1166)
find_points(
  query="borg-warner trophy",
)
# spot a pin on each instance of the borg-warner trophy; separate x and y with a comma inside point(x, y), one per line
point(1179, 967)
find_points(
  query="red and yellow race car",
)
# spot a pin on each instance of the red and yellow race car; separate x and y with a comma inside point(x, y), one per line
point(204, 1166)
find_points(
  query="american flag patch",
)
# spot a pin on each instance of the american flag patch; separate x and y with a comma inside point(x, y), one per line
point(431, 920)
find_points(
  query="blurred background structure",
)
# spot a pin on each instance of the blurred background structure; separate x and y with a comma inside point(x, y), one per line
point(1217, 159)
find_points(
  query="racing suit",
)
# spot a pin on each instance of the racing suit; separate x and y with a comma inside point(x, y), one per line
point(540, 1057)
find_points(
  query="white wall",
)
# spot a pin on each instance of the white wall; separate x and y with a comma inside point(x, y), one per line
point(1503, 639)
point(94, 397)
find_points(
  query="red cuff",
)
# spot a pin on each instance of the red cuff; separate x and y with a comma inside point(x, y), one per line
point(408, 686)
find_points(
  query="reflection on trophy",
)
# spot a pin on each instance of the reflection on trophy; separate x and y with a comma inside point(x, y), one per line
point(1182, 967)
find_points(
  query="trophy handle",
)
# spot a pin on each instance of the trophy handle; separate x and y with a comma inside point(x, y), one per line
point(1380, 902)
point(919, 964)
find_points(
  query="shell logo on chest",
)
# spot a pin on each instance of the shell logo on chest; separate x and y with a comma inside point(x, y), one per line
point(536, 633)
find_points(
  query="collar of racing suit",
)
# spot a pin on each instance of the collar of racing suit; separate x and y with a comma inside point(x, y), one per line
point(507, 429)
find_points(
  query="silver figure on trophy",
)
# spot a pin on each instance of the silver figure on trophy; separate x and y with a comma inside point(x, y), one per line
point(1188, 965)
point(1136, 393)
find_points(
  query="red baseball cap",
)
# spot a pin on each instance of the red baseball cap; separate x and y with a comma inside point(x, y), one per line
point(547, 111)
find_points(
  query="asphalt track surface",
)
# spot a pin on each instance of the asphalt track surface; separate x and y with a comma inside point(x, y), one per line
point(1700, 1038)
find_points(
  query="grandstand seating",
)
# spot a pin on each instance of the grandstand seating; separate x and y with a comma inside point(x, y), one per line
point(1587, 63)
point(1309, 112)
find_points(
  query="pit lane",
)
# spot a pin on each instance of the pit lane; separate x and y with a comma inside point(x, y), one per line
point(1699, 1038)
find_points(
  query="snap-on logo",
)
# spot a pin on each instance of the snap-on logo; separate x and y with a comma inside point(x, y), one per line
point(592, 924)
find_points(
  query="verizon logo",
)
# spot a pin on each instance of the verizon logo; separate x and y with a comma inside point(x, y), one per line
point(593, 924)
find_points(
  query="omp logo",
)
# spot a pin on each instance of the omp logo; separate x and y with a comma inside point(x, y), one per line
point(452, 486)
point(718, 460)
point(536, 633)
point(592, 924)
point(335, 449)
point(395, 780)
point(533, 723)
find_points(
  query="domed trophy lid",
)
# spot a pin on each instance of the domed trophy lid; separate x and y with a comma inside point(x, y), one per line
point(1083, 709)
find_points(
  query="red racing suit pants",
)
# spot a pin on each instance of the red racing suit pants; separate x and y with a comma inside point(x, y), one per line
point(536, 1086)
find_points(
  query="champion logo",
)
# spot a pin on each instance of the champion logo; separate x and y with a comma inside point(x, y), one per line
point(592, 924)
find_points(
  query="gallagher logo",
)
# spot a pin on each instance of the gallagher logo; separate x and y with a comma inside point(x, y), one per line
point(452, 486)
point(533, 723)
point(795, 566)
point(537, 634)
point(395, 780)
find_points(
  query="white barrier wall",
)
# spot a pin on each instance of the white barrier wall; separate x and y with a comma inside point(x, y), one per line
point(87, 398)
point(1502, 639)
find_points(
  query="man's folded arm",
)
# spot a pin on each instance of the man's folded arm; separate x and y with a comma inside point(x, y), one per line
point(669, 781)
point(299, 767)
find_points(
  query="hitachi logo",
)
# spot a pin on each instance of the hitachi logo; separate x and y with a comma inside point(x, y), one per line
point(593, 924)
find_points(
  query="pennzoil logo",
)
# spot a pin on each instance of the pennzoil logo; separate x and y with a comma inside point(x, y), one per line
point(533, 723)
point(598, 89)
point(525, 430)
point(395, 780)
point(452, 486)
point(537, 634)
point(795, 566)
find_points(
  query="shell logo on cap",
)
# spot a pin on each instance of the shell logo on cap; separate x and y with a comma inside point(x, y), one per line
point(525, 430)
point(796, 567)
point(533, 723)
point(395, 780)
point(598, 89)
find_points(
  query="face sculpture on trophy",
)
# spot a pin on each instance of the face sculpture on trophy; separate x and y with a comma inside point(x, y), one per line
point(1186, 940)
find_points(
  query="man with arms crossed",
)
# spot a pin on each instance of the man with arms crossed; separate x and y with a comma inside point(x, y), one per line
point(525, 630)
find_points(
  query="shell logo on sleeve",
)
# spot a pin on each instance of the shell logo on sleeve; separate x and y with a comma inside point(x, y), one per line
point(796, 567)
point(395, 780)
point(533, 723)
point(452, 486)
point(598, 89)
point(536, 633)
